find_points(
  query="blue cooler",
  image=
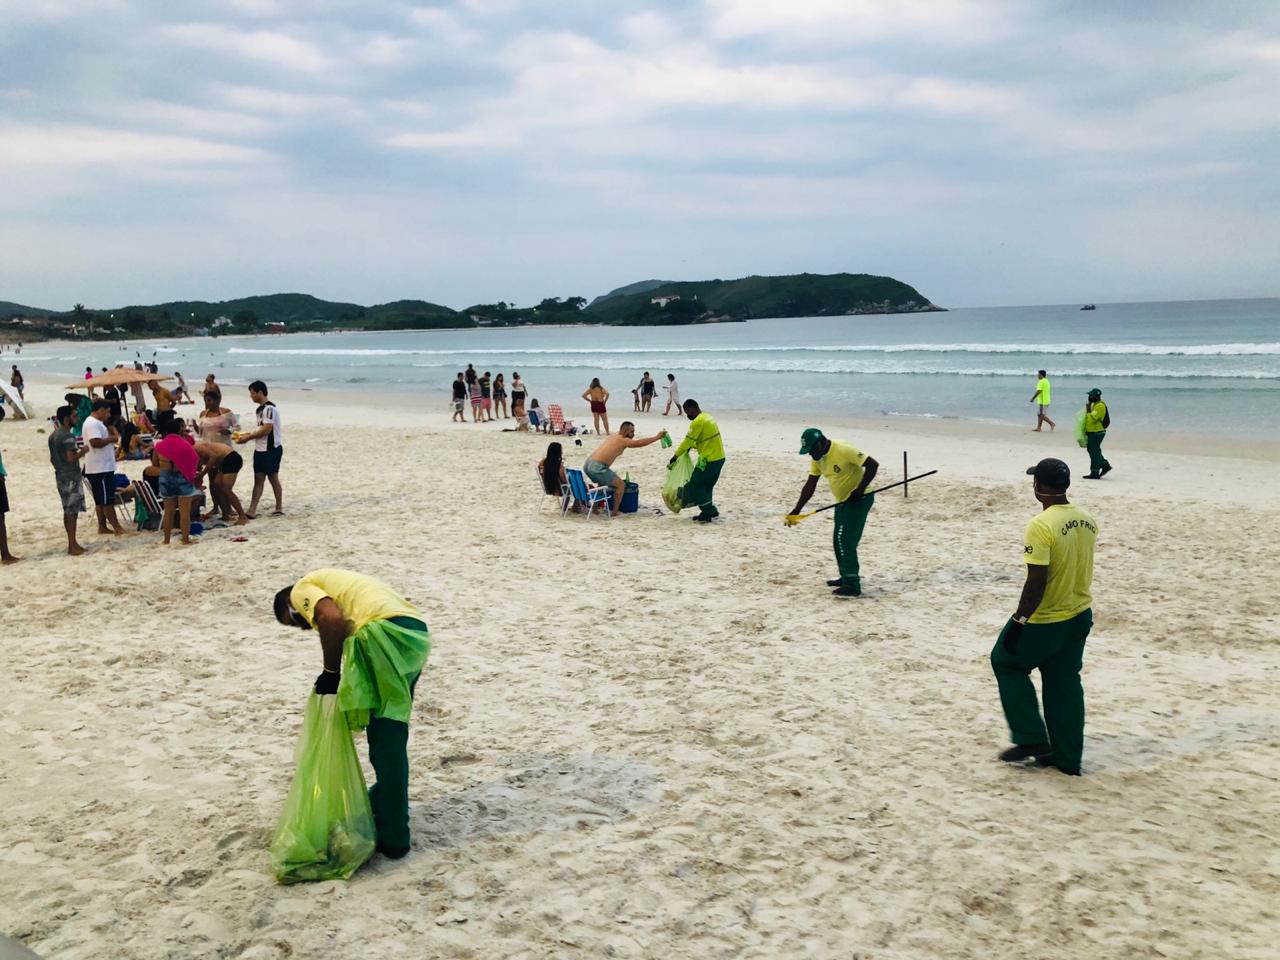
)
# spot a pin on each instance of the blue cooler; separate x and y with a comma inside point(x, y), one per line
point(630, 498)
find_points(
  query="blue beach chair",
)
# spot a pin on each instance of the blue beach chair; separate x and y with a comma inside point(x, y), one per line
point(586, 495)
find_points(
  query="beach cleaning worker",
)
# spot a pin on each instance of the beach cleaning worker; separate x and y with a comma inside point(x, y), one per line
point(1048, 630)
point(849, 472)
point(375, 644)
point(1096, 421)
point(703, 436)
point(1041, 397)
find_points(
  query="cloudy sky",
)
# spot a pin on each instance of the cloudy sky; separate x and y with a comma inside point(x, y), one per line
point(987, 153)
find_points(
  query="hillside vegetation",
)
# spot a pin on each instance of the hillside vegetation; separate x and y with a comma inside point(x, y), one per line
point(797, 295)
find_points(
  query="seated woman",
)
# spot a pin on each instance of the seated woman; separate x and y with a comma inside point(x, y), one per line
point(522, 418)
point(555, 481)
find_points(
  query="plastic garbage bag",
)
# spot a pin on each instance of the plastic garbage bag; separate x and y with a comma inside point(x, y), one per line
point(678, 475)
point(1080, 436)
point(326, 828)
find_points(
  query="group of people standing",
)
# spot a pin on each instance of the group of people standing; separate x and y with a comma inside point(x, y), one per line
point(90, 435)
point(488, 395)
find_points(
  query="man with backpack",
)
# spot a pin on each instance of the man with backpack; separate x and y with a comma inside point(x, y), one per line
point(1096, 422)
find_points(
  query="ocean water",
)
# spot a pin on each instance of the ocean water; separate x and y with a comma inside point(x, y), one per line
point(1196, 367)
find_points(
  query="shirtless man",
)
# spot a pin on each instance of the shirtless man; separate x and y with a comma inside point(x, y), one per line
point(598, 467)
point(221, 464)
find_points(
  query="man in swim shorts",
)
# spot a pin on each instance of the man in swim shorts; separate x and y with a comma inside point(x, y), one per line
point(599, 466)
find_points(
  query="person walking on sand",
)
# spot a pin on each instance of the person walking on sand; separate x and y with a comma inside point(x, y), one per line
point(1041, 397)
point(647, 389)
point(473, 386)
point(849, 472)
point(597, 396)
point(100, 466)
point(374, 644)
point(599, 466)
point(268, 449)
point(16, 381)
point(486, 396)
point(1048, 630)
point(5, 556)
point(703, 436)
point(181, 394)
point(65, 457)
point(1096, 422)
point(673, 394)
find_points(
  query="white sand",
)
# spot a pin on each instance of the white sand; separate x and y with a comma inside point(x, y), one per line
point(646, 738)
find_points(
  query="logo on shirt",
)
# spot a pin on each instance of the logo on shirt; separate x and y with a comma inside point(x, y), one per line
point(1027, 549)
point(835, 468)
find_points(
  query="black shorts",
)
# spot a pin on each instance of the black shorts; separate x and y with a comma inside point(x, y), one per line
point(103, 486)
point(4, 497)
point(232, 462)
point(267, 461)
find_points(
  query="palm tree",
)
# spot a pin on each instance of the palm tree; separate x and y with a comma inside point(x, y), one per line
point(78, 312)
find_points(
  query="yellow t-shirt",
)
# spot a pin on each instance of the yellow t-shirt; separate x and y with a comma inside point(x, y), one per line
point(1062, 538)
point(1094, 417)
point(1042, 391)
point(842, 466)
point(361, 599)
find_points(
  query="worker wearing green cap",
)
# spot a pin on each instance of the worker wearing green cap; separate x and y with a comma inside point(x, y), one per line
point(1096, 421)
point(849, 471)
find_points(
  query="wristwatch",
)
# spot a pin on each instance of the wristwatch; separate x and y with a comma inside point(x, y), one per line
point(1018, 619)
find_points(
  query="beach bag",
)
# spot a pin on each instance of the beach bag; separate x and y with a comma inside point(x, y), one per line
point(678, 475)
point(1080, 436)
point(326, 828)
point(1106, 417)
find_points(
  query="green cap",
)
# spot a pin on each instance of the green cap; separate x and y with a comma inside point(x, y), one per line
point(1094, 393)
point(809, 438)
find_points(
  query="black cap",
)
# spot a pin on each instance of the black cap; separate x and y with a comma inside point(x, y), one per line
point(1051, 474)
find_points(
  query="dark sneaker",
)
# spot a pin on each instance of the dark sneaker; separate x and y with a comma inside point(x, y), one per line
point(846, 593)
point(834, 583)
point(1092, 476)
point(392, 853)
point(1021, 752)
point(1105, 470)
point(1047, 761)
point(702, 518)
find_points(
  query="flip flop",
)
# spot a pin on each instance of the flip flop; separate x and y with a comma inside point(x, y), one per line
point(277, 513)
point(239, 539)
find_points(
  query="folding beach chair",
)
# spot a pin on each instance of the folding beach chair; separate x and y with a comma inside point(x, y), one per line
point(564, 495)
point(146, 497)
point(560, 425)
point(586, 494)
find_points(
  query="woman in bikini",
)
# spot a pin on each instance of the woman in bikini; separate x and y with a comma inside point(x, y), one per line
point(500, 395)
point(597, 396)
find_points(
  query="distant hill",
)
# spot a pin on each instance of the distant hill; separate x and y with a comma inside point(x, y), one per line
point(291, 309)
point(796, 295)
point(8, 309)
point(640, 286)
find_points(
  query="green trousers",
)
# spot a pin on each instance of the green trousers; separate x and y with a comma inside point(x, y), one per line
point(851, 518)
point(389, 756)
point(1056, 650)
point(1093, 443)
point(697, 491)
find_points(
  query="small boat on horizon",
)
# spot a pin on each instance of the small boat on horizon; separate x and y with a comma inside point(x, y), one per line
point(1089, 306)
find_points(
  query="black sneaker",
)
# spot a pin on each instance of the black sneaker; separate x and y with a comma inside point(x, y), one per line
point(1105, 470)
point(1021, 752)
point(1047, 761)
point(847, 593)
point(392, 853)
point(1092, 476)
point(834, 583)
point(702, 518)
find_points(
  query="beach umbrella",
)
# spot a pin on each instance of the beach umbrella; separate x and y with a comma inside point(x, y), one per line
point(117, 377)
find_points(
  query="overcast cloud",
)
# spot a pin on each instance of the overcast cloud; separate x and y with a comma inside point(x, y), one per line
point(988, 153)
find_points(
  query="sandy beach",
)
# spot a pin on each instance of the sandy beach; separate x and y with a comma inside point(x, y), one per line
point(646, 737)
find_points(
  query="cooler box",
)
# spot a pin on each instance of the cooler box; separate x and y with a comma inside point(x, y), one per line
point(630, 499)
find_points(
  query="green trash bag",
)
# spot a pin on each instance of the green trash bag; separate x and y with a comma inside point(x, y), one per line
point(1080, 435)
point(678, 475)
point(326, 828)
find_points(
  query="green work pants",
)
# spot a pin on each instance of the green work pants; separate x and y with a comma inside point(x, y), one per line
point(851, 518)
point(697, 491)
point(1093, 443)
point(389, 756)
point(1056, 650)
